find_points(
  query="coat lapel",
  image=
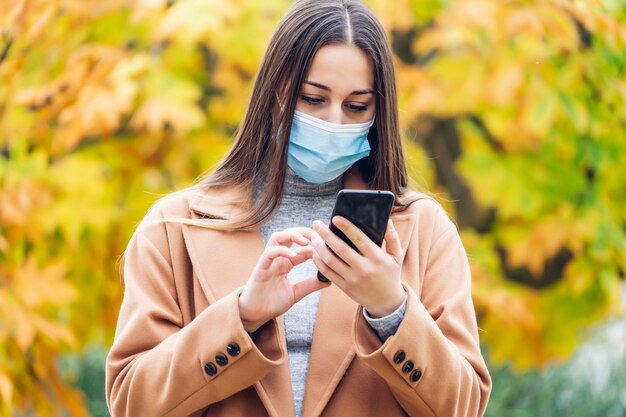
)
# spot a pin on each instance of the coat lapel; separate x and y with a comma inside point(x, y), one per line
point(222, 262)
point(332, 350)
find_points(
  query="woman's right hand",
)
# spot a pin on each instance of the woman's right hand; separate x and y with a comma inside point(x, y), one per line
point(268, 292)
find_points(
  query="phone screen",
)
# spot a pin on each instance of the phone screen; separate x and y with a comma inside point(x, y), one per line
point(367, 210)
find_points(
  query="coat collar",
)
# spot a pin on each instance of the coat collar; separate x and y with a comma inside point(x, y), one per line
point(225, 203)
point(222, 261)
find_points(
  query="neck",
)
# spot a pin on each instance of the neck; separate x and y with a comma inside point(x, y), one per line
point(296, 186)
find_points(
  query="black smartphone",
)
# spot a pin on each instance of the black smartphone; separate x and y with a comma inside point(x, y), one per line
point(369, 210)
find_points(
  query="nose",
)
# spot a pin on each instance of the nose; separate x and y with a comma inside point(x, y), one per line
point(335, 114)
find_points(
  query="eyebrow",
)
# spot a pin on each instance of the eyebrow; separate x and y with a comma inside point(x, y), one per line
point(354, 93)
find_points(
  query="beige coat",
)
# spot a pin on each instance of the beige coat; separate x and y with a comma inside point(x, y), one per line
point(180, 310)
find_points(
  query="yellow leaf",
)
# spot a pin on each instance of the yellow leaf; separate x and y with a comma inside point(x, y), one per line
point(6, 391)
point(524, 20)
point(504, 83)
point(37, 287)
point(23, 329)
point(158, 114)
point(420, 95)
point(98, 110)
point(55, 331)
point(12, 15)
point(40, 24)
point(540, 109)
point(4, 244)
point(34, 97)
point(546, 238)
point(395, 14)
point(20, 202)
point(182, 24)
point(152, 4)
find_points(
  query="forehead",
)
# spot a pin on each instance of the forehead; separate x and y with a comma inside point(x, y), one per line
point(342, 68)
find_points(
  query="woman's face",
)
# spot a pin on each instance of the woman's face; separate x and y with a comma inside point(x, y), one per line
point(339, 87)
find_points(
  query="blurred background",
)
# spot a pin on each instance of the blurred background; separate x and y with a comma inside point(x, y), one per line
point(513, 113)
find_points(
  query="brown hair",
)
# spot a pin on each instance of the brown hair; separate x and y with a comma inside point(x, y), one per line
point(307, 26)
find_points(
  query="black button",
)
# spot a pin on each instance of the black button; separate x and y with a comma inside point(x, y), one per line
point(221, 359)
point(233, 349)
point(416, 375)
point(408, 367)
point(399, 358)
point(210, 368)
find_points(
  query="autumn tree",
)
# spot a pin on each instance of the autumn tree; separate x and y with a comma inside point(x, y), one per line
point(520, 107)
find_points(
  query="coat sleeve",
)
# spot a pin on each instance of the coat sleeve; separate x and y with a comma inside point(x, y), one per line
point(157, 366)
point(433, 364)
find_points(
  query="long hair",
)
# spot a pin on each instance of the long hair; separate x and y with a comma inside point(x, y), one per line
point(306, 27)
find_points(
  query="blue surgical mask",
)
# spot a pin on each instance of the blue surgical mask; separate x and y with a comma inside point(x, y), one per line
point(321, 151)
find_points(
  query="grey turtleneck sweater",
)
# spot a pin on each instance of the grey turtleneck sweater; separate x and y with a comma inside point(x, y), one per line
point(302, 203)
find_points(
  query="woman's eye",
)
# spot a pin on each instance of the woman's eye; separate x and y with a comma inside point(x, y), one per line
point(356, 107)
point(311, 100)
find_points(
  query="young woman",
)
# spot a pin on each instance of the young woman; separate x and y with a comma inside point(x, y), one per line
point(223, 314)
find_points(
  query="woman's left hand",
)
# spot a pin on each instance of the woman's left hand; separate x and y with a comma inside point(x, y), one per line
point(371, 277)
